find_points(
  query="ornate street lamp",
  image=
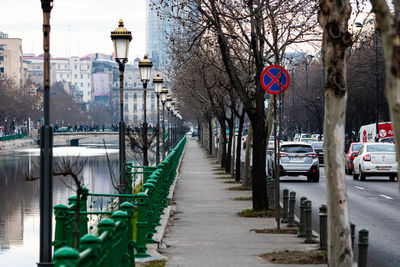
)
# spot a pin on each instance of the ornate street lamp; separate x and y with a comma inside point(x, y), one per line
point(158, 84)
point(46, 149)
point(121, 38)
point(145, 66)
point(164, 93)
point(168, 105)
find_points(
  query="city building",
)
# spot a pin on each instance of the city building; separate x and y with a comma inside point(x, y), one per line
point(11, 58)
point(158, 30)
point(133, 99)
point(76, 71)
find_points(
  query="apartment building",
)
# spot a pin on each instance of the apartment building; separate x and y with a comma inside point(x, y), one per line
point(11, 58)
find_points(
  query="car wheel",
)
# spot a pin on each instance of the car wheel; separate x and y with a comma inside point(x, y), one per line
point(355, 176)
point(316, 178)
point(362, 175)
point(392, 177)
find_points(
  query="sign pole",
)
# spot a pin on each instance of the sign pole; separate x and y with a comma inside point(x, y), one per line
point(276, 170)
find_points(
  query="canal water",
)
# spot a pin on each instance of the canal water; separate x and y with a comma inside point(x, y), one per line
point(19, 199)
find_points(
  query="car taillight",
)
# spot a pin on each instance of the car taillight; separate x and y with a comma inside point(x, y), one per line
point(282, 154)
point(312, 155)
point(367, 158)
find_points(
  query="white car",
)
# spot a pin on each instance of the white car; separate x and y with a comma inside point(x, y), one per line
point(375, 159)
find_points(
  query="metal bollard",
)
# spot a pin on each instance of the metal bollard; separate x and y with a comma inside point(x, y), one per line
point(285, 198)
point(308, 220)
point(302, 225)
point(362, 247)
point(272, 188)
point(292, 202)
point(353, 234)
point(323, 228)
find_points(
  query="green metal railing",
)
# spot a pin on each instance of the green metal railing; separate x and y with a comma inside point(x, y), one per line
point(125, 233)
point(12, 137)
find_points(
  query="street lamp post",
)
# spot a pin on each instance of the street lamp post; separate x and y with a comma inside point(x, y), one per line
point(121, 38)
point(145, 66)
point(168, 105)
point(158, 84)
point(46, 149)
point(164, 93)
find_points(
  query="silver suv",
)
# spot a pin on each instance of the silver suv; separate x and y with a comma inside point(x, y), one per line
point(297, 158)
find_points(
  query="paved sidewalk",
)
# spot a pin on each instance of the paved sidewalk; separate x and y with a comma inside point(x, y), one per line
point(207, 230)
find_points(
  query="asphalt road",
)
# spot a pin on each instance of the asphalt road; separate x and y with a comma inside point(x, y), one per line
point(374, 205)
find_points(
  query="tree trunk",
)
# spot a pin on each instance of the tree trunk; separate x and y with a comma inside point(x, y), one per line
point(229, 154)
point(246, 175)
point(239, 148)
point(210, 131)
point(233, 147)
point(223, 143)
point(333, 17)
point(259, 186)
point(389, 31)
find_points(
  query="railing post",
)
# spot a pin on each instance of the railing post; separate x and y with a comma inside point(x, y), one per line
point(302, 225)
point(149, 187)
point(308, 211)
point(66, 256)
point(109, 226)
point(362, 247)
point(121, 244)
point(323, 227)
point(285, 197)
point(292, 202)
point(91, 242)
point(141, 226)
point(129, 209)
point(60, 212)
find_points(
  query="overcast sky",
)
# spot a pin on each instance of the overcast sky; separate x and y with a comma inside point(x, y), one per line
point(78, 27)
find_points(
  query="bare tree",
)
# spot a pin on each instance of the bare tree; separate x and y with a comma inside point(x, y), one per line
point(333, 17)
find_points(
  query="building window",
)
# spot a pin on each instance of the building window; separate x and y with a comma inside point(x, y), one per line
point(135, 118)
point(152, 96)
point(126, 96)
point(88, 85)
point(152, 106)
point(134, 107)
point(88, 93)
point(135, 96)
point(2, 47)
point(81, 76)
point(88, 76)
point(1, 59)
point(67, 75)
point(134, 84)
point(61, 75)
point(81, 84)
point(76, 76)
point(76, 67)
point(1, 70)
point(126, 118)
point(126, 107)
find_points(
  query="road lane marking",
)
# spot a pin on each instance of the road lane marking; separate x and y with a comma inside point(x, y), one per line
point(359, 187)
point(385, 196)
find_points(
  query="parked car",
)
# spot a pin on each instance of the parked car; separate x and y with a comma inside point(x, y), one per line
point(351, 154)
point(308, 140)
point(299, 159)
point(319, 149)
point(375, 159)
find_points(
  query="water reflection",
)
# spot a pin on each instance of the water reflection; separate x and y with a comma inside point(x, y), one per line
point(19, 199)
